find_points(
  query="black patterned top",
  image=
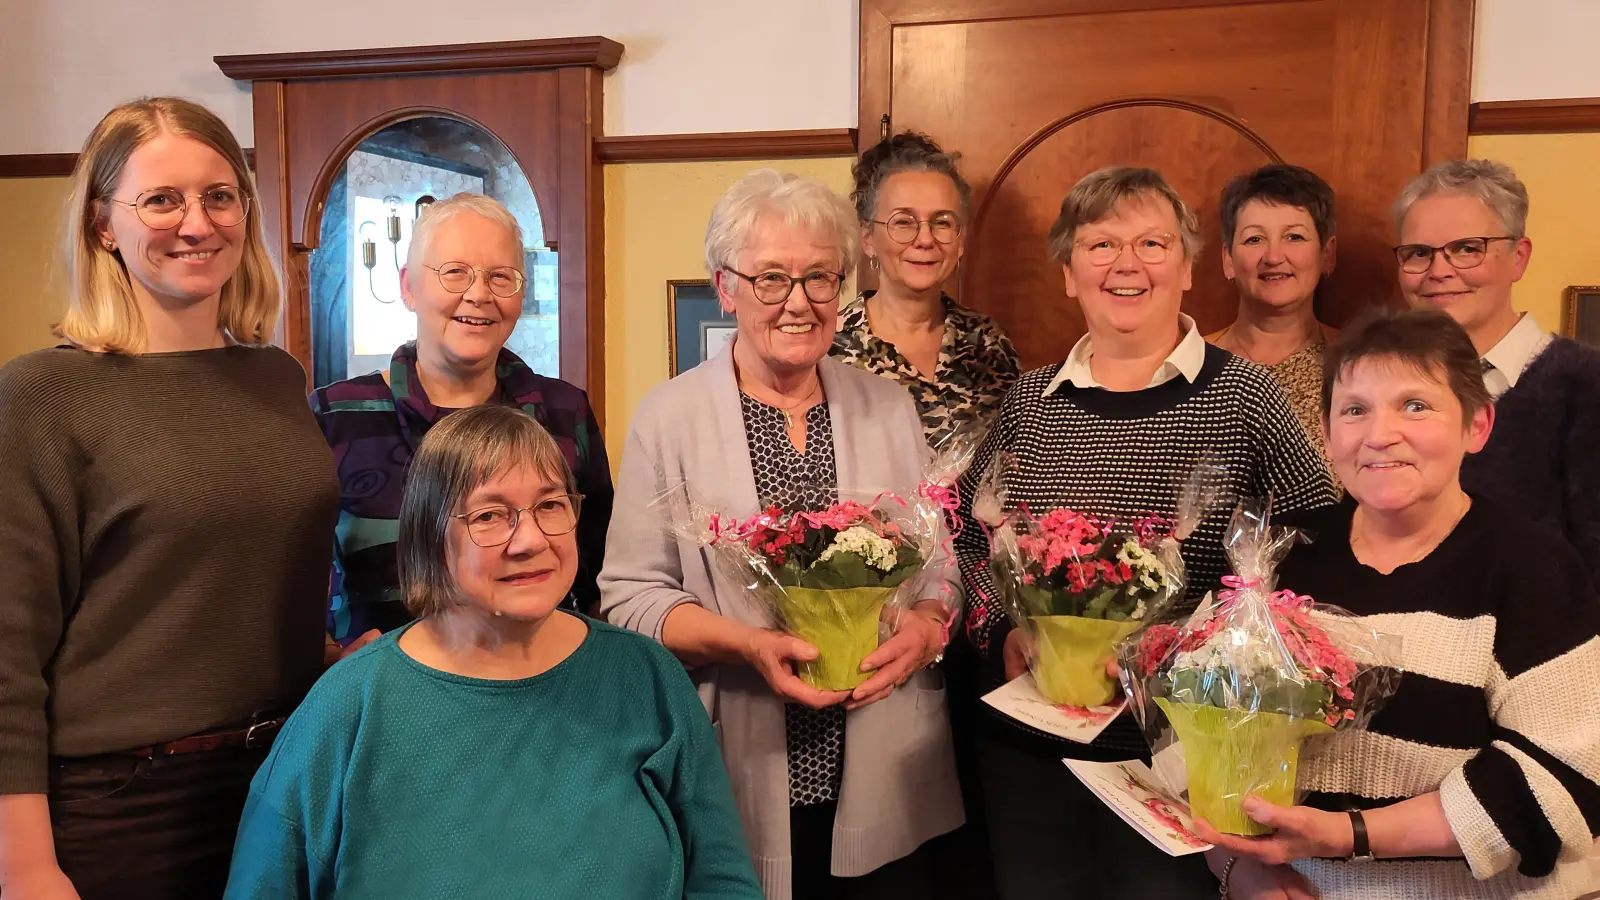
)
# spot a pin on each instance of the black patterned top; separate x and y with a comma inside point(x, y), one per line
point(977, 365)
point(792, 481)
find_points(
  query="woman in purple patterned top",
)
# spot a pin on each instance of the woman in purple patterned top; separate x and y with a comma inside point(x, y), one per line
point(464, 278)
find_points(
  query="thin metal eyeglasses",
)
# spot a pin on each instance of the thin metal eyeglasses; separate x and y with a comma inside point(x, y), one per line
point(1463, 253)
point(903, 228)
point(458, 278)
point(163, 209)
point(493, 526)
point(1147, 248)
point(773, 288)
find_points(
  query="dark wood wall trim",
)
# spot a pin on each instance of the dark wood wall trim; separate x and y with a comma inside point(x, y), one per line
point(60, 165)
point(728, 145)
point(1535, 116)
point(500, 56)
point(37, 165)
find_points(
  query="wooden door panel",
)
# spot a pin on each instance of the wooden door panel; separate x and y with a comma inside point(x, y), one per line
point(1006, 260)
point(1036, 93)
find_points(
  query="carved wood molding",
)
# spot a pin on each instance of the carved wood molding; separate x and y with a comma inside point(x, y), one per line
point(60, 165)
point(1535, 116)
point(727, 145)
point(590, 52)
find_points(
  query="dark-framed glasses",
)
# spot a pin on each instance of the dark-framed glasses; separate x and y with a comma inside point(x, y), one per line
point(1464, 253)
point(1148, 248)
point(458, 278)
point(492, 526)
point(903, 228)
point(774, 287)
point(163, 208)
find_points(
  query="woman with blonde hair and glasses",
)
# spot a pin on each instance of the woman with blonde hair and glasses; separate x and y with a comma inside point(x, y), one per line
point(166, 508)
point(528, 751)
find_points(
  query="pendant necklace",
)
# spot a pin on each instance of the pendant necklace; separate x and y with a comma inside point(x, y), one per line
point(788, 412)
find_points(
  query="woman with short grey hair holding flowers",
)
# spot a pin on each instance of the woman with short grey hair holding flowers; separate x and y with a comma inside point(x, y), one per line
point(837, 790)
point(498, 746)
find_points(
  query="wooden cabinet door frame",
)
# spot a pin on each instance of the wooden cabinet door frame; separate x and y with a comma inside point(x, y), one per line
point(541, 99)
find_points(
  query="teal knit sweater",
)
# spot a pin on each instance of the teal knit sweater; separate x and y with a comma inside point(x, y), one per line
point(599, 778)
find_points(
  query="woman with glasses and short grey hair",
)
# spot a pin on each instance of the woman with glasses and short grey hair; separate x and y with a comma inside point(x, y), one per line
point(837, 789)
point(499, 746)
point(464, 278)
point(1114, 432)
point(1463, 244)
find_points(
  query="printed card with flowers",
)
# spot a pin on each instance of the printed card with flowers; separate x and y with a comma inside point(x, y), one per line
point(1020, 699)
point(1128, 788)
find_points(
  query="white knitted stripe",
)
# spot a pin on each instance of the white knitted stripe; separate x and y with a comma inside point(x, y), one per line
point(1374, 765)
point(1460, 651)
point(1559, 809)
point(1556, 705)
point(1445, 879)
point(1486, 850)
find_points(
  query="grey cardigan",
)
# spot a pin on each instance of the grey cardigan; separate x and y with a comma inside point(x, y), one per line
point(899, 783)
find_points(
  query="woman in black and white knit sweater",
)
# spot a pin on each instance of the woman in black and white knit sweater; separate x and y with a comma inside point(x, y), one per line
point(1478, 778)
point(1113, 432)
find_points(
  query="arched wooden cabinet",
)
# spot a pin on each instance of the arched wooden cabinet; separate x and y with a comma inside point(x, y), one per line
point(540, 99)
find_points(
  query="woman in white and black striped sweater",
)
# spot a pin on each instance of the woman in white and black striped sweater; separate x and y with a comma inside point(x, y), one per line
point(1478, 778)
point(1113, 432)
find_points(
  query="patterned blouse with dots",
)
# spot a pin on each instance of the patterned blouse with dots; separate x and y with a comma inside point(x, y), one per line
point(793, 481)
point(976, 366)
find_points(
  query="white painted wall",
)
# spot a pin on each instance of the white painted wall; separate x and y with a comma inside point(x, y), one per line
point(688, 66)
point(1534, 49)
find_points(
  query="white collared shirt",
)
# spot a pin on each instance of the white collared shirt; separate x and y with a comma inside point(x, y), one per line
point(1507, 359)
point(1186, 359)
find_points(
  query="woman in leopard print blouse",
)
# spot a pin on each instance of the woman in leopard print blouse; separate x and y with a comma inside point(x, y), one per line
point(956, 363)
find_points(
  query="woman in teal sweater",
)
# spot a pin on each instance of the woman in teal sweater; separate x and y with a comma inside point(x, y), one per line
point(498, 747)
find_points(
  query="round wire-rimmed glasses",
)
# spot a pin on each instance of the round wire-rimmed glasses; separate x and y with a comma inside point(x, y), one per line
point(495, 525)
point(163, 209)
point(903, 228)
point(773, 288)
point(1463, 253)
point(1148, 248)
point(458, 278)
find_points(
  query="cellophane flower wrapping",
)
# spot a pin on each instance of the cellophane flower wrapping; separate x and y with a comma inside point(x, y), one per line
point(1079, 584)
point(1244, 680)
point(835, 577)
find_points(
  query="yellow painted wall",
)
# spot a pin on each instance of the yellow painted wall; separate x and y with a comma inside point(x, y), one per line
point(1562, 172)
point(32, 292)
point(656, 217)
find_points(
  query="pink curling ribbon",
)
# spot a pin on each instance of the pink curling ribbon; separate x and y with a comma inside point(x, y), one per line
point(1235, 586)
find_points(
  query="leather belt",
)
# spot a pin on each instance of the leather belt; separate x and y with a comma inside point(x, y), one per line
point(257, 735)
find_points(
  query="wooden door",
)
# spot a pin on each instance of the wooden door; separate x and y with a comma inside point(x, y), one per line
point(1037, 93)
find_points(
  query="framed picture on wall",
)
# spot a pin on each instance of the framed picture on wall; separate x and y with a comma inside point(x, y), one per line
point(697, 328)
point(1580, 314)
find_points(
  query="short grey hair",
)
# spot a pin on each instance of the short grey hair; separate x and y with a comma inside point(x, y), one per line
point(796, 202)
point(1494, 184)
point(466, 449)
point(1099, 193)
point(442, 211)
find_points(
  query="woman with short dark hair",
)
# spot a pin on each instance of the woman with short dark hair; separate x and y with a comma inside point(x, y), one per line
point(499, 746)
point(1278, 243)
point(1479, 777)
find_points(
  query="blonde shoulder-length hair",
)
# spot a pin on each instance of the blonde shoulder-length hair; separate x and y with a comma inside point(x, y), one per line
point(102, 313)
